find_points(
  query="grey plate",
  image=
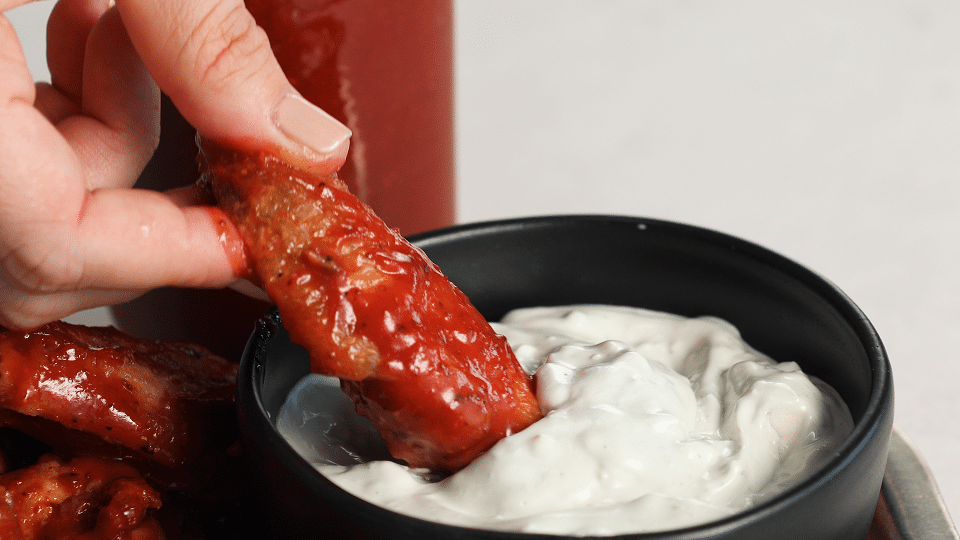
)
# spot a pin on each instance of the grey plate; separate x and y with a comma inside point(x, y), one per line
point(916, 510)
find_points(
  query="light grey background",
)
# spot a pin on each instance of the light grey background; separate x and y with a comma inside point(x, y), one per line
point(827, 130)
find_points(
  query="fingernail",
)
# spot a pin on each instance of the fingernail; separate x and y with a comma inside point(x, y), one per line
point(309, 125)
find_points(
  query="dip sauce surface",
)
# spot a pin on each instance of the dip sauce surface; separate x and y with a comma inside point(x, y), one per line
point(652, 422)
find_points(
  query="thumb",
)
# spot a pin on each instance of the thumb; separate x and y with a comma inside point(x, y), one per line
point(217, 66)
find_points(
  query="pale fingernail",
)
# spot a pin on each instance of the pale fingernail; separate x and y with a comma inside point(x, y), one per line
point(249, 289)
point(309, 125)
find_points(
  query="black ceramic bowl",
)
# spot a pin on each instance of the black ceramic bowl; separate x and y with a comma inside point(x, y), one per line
point(781, 308)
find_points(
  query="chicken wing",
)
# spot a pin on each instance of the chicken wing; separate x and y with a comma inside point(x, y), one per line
point(97, 391)
point(86, 498)
point(370, 308)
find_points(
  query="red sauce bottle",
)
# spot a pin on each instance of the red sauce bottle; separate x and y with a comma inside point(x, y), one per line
point(383, 68)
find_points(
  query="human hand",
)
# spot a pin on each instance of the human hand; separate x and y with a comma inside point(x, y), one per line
point(73, 232)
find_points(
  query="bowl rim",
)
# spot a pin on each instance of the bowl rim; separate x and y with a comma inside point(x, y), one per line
point(878, 406)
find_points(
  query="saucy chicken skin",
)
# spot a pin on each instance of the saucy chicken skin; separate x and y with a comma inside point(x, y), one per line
point(370, 308)
point(160, 403)
point(87, 498)
point(120, 423)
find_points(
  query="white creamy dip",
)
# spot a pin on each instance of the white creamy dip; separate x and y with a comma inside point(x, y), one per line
point(651, 422)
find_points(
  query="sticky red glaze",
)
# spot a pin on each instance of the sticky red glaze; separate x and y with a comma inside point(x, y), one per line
point(76, 388)
point(416, 356)
point(232, 244)
point(87, 498)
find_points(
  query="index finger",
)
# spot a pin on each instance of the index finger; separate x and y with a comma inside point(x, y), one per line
point(217, 66)
point(7, 5)
point(16, 82)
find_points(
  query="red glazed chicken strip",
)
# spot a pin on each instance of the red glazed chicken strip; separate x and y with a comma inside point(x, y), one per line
point(84, 499)
point(417, 358)
point(99, 391)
